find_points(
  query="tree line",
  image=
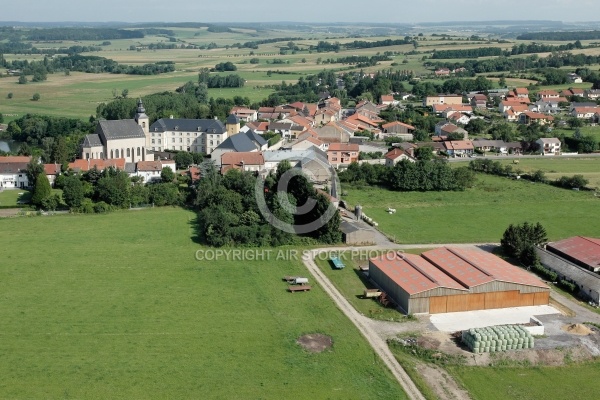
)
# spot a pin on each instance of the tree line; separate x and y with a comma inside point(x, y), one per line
point(82, 34)
point(407, 176)
point(576, 35)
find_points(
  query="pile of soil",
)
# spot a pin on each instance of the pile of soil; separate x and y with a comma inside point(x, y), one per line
point(315, 342)
point(577, 329)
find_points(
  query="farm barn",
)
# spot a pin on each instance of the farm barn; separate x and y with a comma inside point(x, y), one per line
point(452, 279)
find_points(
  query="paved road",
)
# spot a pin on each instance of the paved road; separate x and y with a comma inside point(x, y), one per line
point(363, 325)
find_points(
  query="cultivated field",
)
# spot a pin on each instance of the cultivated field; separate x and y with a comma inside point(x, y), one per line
point(480, 214)
point(116, 306)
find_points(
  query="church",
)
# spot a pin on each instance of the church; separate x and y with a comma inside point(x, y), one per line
point(125, 138)
point(135, 140)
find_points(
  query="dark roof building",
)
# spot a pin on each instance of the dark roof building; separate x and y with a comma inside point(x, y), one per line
point(582, 251)
point(188, 125)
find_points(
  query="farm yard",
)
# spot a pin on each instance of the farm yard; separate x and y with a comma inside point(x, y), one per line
point(116, 305)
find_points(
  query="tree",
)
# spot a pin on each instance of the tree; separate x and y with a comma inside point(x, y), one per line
point(1, 118)
point(36, 97)
point(34, 169)
point(424, 153)
point(41, 190)
point(476, 126)
point(125, 93)
point(519, 240)
point(22, 79)
point(114, 187)
point(51, 203)
point(9, 95)
point(167, 174)
point(183, 160)
point(502, 82)
point(73, 191)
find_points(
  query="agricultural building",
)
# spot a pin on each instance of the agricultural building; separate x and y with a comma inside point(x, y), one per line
point(452, 279)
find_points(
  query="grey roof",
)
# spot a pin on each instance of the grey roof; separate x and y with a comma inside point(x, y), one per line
point(130, 168)
point(232, 119)
point(13, 167)
point(188, 125)
point(347, 227)
point(489, 143)
point(92, 140)
point(280, 126)
point(120, 129)
point(244, 141)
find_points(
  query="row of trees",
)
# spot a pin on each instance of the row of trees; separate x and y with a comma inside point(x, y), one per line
point(423, 175)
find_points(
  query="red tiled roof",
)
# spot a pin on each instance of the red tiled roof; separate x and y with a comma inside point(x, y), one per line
point(14, 159)
point(534, 115)
point(477, 267)
point(242, 158)
point(86, 165)
point(397, 123)
point(343, 147)
point(394, 153)
point(51, 169)
point(413, 273)
point(583, 249)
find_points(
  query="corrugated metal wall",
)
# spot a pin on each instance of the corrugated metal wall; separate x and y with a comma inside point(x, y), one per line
point(497, 286)
point(390, 287)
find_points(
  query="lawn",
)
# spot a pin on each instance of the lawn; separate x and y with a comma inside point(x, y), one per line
point(570, 382)
point(555, 167)
point(351, 282)
point(117, 306)
point(480, 214)
point(14, 197)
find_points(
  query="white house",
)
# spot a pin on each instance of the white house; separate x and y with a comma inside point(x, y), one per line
point(150, 170)
point(549, 146)
point(13, 172)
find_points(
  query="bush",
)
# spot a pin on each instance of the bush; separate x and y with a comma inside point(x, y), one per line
point(101, 207)
point(36, 97)
point(568, 286)
point(87, 206)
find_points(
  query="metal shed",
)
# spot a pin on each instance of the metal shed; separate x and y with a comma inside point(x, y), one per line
point(451, 280)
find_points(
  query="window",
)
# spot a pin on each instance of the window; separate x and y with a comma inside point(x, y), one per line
point(188, 140)
point(158, 142)
point(172, 140)
point(188, 134)
point(152, 141)
point(211, 142)
point(180, 140)
point(138, 149)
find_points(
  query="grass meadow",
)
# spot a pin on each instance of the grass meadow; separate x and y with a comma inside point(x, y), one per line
point(479, 214)
point(532, 383)
point(117, 306)
point(555, 167)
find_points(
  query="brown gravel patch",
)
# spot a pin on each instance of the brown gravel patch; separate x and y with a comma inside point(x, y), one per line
point(315, 342)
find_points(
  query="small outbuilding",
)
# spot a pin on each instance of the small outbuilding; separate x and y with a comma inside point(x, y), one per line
point(356, 233)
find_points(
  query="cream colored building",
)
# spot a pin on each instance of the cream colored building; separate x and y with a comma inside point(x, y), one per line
point(119, 139)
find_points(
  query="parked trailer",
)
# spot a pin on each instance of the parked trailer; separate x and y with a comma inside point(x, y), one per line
point(300, 281)
point(371, 293)
point(337, 263)
point(299, 288)
point(289, 279)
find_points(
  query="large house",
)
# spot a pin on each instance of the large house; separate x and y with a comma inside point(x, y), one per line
point(194, 135)
point(13, 172)
point(127, 138)
point(549, 146)
point(242, 142)
point(442, 99)
point(342, 153)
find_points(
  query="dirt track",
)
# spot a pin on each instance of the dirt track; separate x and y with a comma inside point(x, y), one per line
point(362, 323)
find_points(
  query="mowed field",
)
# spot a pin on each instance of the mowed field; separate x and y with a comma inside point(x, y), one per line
point(117, 306)
point(480, 214)
point(533, 383)
point(555, 167)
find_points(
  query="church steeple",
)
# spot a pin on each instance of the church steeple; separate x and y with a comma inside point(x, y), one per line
point(142, 120)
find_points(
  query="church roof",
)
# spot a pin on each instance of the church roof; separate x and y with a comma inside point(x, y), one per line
point(120, 129)
point(232, 119)
point(188, 125)
point(92, 140)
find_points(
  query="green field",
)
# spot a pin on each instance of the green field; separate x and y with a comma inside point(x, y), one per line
point(576, 381)
point(14, 198)
point(116, 306)
point(351, 283)
point(555, 167)
point(480, 214)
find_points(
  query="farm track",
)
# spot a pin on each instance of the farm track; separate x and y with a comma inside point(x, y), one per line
point(362, 323)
